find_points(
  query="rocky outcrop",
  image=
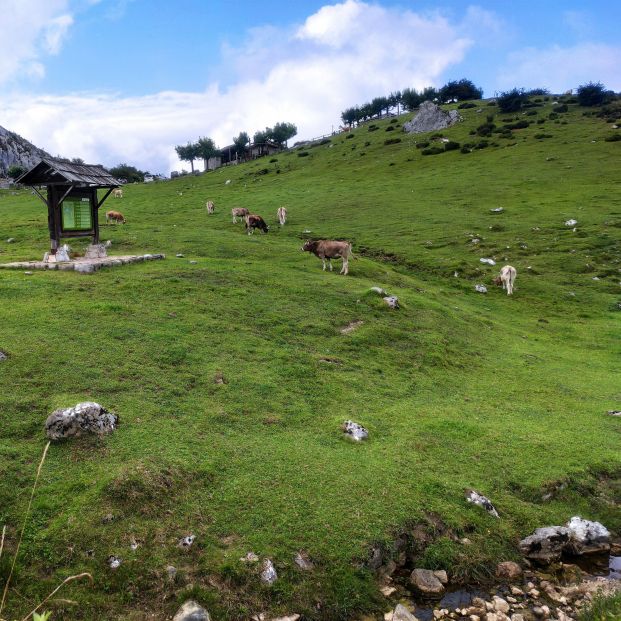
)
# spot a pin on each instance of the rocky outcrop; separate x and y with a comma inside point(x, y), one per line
point(431, 118)
point(15, 150)
point(427, 583)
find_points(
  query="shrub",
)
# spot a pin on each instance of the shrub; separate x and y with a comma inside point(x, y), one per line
point(303, 154)
point(393, 121)
point(326, 141)
point(464, 149)
point(537, 91)
point(392, 141)
point(540, 121)
point(561, 108)
point(373, 127)
point(432, 151)
point(542, 136)
point(422, 145)
point(553, 116)
point(367, 144)
point(262, 171)
point(591, 94)
point(274, 159)
point(485, 129)
point(349, 136)
point(390, 128)
point(522, 124)
point(512, 101)
point(465, 105)
point(531, 113)
point(613, 138)
point(482, 145)
point(451, 145)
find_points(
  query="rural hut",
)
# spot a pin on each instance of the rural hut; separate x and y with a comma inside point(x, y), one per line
point(72, 201)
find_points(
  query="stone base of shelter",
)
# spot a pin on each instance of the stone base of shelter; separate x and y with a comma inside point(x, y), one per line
point(83, 265)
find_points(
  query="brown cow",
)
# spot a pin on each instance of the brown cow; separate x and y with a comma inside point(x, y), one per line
point(115, 216)
point(239, 212)
point(117, 193)
point(255, 222)
point(327, 249)
point(210, 207)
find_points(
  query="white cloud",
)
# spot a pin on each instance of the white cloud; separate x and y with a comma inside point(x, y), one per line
point(561, 68)
point(344, 54)
point(29, 29)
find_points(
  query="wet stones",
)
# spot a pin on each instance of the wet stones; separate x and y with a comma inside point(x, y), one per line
point(191, 611)
point(508, 570)
point(401, 613)
point(426, 582)
point(86, 417)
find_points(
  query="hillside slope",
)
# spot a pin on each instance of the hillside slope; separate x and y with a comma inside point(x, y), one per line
point(17, 150)
point(458, 389)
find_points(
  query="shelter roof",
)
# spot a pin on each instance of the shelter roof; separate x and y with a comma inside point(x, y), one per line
point(52, 171)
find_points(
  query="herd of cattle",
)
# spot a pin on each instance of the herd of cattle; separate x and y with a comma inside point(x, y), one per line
point(324, 249)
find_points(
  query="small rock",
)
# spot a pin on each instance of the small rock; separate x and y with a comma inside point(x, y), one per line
point(10, 240)
point(534, 593)
point(171, 573)
point(28, 273)
point(379, 291)
point(401, 613)
point(482, 501)
point(227, 182)
point(610, 412)
point(441, 575)
point(387, 591)
point(480, 288)
point(426, 582)
point(251, 557)
point(179, 255)
point(191, 611)
point(516, 591)
point(114, 562)
point(3, 356)
point(508, 570)
point(392, 301)
point(268, 572)
point(219, 378)
point(517, 617)
point(571, 222)
point(488, 261)
point(497, 210)
point(106, 519)
point(500, 605)
point(355, 431)
point(86, 417)
point(186, 542)
point(133, 544)
point(303, 562)
point(288, 618)
point(193, 262)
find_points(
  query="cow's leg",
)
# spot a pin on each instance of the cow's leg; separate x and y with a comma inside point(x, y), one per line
point(330, 264)
point(323, 261)
point(345, 268)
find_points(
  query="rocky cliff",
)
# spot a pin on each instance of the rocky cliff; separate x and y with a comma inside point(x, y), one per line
point(16, 150)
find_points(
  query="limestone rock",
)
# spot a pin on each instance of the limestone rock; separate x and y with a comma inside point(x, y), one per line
point(191, 611)
point(288, 618)
point(482, 501)
point(268, 572)
point(571, 222)
point(588, 533)
point(186, 542)
point(86, 417)
point(3, 355)
point(487, 261)
point(480, 288)
point(251, 557)
point(392, 301)
point(426, 582)
point(546, 544)
point(379, 291)
point(441, 575)
point(171, 573)
point(63, 253)
point(401, 613)
point(355, 431)
point(303, 562)
point(85, 268)
point(500, 605)
point(508, 570)
point(96, 251)
point(431, 118)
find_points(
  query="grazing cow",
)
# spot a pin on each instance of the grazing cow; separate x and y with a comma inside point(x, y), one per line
point(239, 212)
point(506, 278)
point(210, 207)
point(282, 215)
point(255, 222)
point(327, 249)
point(115, 216)
point(117, 193)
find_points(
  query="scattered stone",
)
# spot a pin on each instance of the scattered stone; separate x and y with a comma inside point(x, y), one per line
point(500, 605)
point(441, 575)
point(179, 255)
point(571, 222)
point(227, 182)
point(387, 591)
point(303, 562)
point(546, 544)
point(4, 356)
point(171, 573)
point(401, 613)
point(186, 542)
point(28, 273)
point(480, 288)
point(355, 431)
point(379, 291)
point(114, 562)
point(351, 326)
point(96, 251)
point(488, 261)
point(251, 557)
point(392, 301)
point(193, 262)
point(497, 210)
point(288, 618)
point(10, 240)
point(610, 412)
point(106, 519)
point(482, 501)
point(268, 572)
point(219, 378)
point(133, 544)
point(517, 617)
point(431, 118)
point(426, 582)
point(86, 417)
point(191, 611)
point(508, 570)
point(516, 591)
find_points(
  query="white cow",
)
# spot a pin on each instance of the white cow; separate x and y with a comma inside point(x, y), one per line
point(282, 215)
point(506, 278)
point(210, 207)
point(117, 193)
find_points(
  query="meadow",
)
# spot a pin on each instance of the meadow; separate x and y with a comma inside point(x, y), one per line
point(231, 377)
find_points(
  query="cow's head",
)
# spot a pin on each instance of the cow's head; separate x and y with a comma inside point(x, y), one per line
point(497, 281)
point(308, 246)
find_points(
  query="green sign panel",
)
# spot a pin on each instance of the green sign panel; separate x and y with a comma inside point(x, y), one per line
point(77, 215)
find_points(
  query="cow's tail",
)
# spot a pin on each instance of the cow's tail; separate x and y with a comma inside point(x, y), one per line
point(350, 254)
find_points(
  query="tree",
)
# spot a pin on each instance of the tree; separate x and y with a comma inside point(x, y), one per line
point(591, 94)
point(348, 116)
point(459, 91)
point(411, 99)
point(282, 132)
point(77, 160)
point(394, 100)
point(512, 101)
point(187, 153)
point(129, 173)
point(260, 137)
point(206, 149)
point(429, 94)
point(240, 143)
point(15, 171)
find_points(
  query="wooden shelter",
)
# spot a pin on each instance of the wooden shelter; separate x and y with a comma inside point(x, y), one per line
point(72, 202)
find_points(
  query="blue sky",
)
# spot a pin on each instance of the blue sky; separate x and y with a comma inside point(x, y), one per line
point(126, 80)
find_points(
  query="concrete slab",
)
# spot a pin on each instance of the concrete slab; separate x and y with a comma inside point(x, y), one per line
point(82, 265)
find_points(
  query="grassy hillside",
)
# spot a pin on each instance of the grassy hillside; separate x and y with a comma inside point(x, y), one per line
point(458, 389)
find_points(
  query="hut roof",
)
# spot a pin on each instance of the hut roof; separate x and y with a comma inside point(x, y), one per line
point(51, 171)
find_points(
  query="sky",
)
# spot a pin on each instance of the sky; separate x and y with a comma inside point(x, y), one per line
point(124, 81)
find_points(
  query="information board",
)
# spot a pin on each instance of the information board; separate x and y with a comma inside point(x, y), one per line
point(76, 214)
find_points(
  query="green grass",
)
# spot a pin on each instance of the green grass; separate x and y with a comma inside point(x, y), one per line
point(504, 394)
point(603, 609)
